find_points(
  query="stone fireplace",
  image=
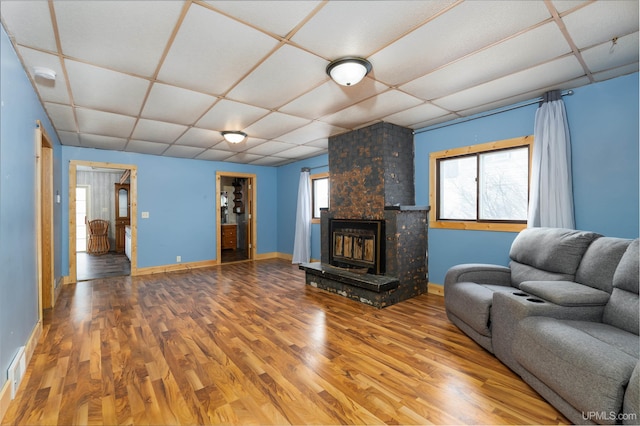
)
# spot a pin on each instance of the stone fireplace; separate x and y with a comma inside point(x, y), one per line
point(373, 237)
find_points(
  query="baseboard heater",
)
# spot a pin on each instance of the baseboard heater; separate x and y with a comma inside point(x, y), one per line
point(16, 371)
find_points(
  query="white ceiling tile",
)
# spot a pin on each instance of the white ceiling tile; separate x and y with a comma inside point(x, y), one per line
point(214, 155)
point(243, 158)
point(319, 143)
point(525, 81)
point(69, 138)
point(290, 71)
point(513, 55)
point(417, 114)
point(187, 105)
point(601, 21)
point(62, 116)
point(102, 142)
point(330, 97)
point(565, 5)
point(616, 72)
point(230, 115)
point(182, 151)
point(274, 125)
point(98, 88)
point(203, 47)
point(50, 91)
point(108, 33)
point(609, 55)
point(29, 22)
point(341, 29)
point(301, 151)
point(271, 161)
point(104, 123)
point(385, 104)
point(146, 147)
point(526, 98)
point(269, 148)
point(435, 121)
point(201, 138)
point(157, 131)
point(277, 17)
point(469, 26)
point(312, 131)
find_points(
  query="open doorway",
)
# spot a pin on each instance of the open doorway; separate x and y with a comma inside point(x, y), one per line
point(236, 217)
point(102, 224)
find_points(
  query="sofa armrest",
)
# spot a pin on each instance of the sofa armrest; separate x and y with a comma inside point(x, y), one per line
point(481, 273)
point(566, 293)
point(509, 308)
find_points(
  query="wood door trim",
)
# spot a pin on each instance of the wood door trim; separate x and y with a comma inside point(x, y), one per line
point(250, 208)
point(44, 219)
point(73, 168)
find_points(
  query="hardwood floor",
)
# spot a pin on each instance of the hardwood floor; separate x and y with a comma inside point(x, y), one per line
point(111, 264)
point(250, 343)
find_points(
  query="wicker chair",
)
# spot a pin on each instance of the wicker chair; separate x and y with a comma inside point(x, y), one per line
point(98, 237)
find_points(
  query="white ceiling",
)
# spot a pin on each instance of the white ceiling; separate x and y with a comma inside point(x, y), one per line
point(165, 77)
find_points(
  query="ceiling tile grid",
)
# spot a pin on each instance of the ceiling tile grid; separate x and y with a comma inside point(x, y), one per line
point(166, 77)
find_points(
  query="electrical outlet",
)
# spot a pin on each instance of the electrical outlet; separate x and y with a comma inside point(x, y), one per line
point(178, 258)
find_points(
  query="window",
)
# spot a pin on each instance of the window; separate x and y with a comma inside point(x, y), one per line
point(482, 186)
point(319, 195)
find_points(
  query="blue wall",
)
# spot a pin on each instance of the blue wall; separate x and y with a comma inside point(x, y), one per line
point(180, 196)
point(20, 108)
point(288, 179)
point(603, 122)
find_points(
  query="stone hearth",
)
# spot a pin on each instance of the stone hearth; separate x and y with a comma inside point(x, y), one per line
point(372, 172)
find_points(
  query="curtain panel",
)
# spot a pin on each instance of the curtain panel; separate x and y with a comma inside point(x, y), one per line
point(551, 190)
point(302, 238)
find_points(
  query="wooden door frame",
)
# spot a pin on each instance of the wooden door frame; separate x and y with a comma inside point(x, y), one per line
point(73, 169)
point(251, 209)
point(45, 257)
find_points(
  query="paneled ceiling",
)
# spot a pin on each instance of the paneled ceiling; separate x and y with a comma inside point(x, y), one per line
point(166, 77)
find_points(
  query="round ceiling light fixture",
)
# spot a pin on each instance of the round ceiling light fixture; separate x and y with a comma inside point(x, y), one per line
point(46, 73)
point(233, 136)
point(348, 71)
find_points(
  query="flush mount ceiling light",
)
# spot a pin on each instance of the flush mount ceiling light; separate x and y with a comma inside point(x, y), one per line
point(348, 71)
point(46, 73)
point(234, 136)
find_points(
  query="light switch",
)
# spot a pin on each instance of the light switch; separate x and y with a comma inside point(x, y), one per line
point(145, 215)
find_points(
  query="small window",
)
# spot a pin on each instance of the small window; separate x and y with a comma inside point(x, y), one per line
point(482, 186)
point(319, 195)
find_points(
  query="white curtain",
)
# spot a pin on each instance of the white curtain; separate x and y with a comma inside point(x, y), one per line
point(551, 196)
point(302, 240)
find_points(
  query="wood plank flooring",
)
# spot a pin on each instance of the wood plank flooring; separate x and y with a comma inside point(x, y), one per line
point(250, 343)
point(110, 264)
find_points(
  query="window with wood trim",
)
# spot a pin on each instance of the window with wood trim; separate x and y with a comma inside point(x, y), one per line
point(483, 187)
point(319, 195)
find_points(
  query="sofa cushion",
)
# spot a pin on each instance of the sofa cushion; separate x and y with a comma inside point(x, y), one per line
point(566, 293)
point(600, 261)
point(623, 309)
point(471, 302)
point(588, 364)
point(521, 272)
point(554, 250)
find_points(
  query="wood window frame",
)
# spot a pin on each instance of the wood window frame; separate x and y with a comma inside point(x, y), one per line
point(434, 222)
point(313, 177)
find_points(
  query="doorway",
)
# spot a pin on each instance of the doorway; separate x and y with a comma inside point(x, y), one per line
point(44, 219)
point(94, 187)
point(235, 221)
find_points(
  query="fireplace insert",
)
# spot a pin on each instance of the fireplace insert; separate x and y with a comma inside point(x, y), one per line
point(357, 244)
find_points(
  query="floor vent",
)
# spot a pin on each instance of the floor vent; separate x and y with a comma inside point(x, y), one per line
point(16, 371)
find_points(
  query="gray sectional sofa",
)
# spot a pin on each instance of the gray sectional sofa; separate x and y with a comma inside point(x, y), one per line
point(564, 315)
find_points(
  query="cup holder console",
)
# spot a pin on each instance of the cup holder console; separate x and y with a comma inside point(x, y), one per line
point(519, 293)
point(535, 300)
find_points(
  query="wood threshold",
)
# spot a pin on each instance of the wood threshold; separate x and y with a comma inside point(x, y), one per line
point(251, 343)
